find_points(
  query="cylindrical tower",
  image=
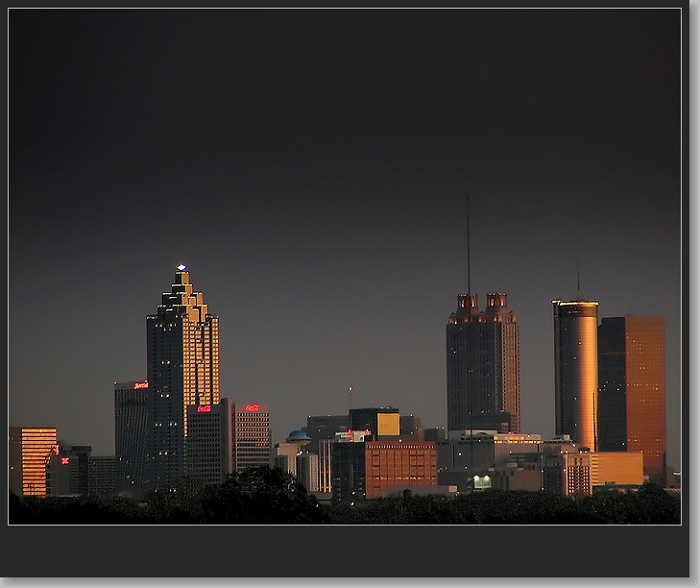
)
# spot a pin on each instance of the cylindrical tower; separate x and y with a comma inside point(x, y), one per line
point(576, 370)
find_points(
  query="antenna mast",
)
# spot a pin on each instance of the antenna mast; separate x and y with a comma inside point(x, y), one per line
point(578, 277)
point(470, 358)
point(469, 269)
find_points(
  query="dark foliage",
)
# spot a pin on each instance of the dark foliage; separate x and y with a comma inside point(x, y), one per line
point(651, 504)
point(270, 496)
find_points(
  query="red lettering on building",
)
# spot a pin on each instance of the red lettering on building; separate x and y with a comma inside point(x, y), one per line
point(140, 385)
point(206, 408)
point(252, 407)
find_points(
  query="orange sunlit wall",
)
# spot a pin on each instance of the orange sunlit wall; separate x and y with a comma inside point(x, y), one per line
point(646, 392)
point(399, 464)
point(632, 394)
point(29, 451)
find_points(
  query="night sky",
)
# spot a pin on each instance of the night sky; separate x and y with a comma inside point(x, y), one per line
point(310, 168)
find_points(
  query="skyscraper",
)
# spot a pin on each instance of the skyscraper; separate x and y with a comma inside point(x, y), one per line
point(576, 370)
point(483, 365)
point(182, 369)
point(209, 450)
point(29, 452)
point(251, 437)
point(130, 422)
point(632, 390)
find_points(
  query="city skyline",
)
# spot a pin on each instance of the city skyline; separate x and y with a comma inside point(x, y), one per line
point(314, 185)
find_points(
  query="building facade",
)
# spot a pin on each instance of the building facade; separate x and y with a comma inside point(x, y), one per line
point(102, 474)
point(576, 370)
point(483, 365)
point(632, 390)
point(130, 428)
point(251, 436)
point(209, 458)
point(319, 427)
point(376, 422)
point(408, 464)
point(29, 451)
point(183, 370)
point(68, 471)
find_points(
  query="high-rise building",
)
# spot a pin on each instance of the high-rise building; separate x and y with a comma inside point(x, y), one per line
point(182, 369)
point(68, 470)
point(102, 474)
point(632, 390)
point(130, 427)
point(483, 365)
point(576, 370)
point(251, 436)
point(29, 451)
point(209, 451)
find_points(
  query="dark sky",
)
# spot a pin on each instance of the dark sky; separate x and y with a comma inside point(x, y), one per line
point(310, 168)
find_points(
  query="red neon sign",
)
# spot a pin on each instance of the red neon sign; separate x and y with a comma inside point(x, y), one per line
point(65, 460)
point(252, 407)
point(140, 385)
point(206, 408)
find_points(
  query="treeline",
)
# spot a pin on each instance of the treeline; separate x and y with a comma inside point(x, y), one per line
point(271, 496)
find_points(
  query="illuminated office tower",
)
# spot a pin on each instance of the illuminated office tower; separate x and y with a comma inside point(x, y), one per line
point(29, 452)
point(251, 437)
point(182, 370)
point(130, 422)
point(483, 366)
point(632, 390)
point(576, 370)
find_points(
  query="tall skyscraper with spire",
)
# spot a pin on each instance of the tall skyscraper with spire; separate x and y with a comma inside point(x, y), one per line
point(183, 370)
point(483, 366)
point(483, 362)
point(576, 370)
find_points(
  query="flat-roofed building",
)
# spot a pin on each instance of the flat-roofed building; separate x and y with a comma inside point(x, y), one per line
point(29, 451)
point(209, 455)
point(632, 390)
point(251, 437)
point(409, 464)
point(617, 468)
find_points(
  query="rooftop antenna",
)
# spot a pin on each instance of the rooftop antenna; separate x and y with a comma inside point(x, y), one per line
point(470, 359)
point(350, 399)
point(578, 277)
point(469, 269)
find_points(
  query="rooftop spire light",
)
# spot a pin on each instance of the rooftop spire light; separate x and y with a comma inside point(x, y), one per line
point(181, 267)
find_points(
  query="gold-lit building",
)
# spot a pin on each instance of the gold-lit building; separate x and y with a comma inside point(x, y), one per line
point(29, 451)
point(632, 390)
point(394, 463)
point(576, 370)
point(617, 468)
point(183, 370)
point(585, 471)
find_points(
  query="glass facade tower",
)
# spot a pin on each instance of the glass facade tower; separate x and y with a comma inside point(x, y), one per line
point(483, 365)
point(632, 390)
point(576, 370)
point(183, 370)
point(130, 427)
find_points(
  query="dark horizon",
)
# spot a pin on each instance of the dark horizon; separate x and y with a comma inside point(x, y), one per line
point(310, 169)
